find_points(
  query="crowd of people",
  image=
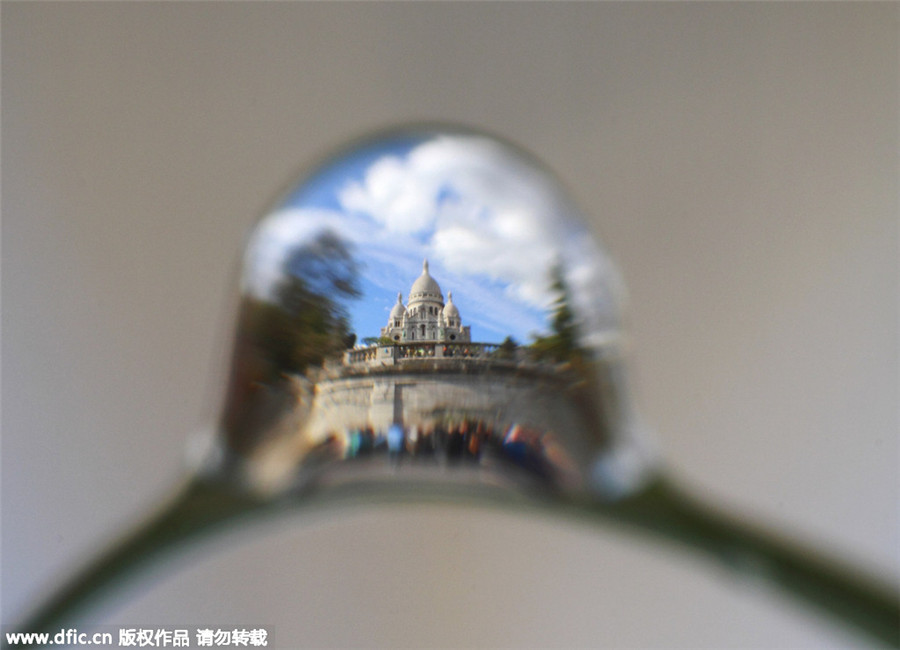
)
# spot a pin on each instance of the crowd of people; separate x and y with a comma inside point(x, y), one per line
point(464, 441)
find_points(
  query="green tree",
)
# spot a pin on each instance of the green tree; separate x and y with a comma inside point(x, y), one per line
point(303, 323)
point(379, 340)
point(308, 321)
point(562, 342)
point(507, 349)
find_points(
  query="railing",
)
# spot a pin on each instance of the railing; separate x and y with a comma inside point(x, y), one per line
point(362, 355)
point(400, 352)
point(467, 350)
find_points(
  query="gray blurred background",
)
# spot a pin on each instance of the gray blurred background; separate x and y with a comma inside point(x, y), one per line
point(739, 160)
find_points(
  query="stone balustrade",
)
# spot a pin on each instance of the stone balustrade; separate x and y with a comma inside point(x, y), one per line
point(413, 350)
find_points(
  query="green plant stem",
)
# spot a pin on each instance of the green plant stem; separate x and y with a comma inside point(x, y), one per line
point(662, 510)
point(195, 509)
point(842, 592)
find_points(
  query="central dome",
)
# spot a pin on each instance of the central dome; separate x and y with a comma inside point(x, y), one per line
point(425, 286)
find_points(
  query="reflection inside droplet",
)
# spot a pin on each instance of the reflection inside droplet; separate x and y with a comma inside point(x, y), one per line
point(429, 303)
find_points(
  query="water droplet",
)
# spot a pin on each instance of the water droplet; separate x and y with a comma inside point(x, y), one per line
point(352, 359)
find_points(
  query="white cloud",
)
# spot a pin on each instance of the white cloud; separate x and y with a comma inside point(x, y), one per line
point(393, 194)
point(484, 216)
point(477, 208)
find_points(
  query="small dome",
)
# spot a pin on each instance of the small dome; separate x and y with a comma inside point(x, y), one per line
point(450, 310)
point(399, 311)
point(425, 285)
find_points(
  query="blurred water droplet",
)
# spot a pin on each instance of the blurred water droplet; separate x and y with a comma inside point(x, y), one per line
point(430, 304)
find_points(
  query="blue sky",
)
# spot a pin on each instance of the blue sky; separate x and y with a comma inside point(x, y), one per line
point(491, 225)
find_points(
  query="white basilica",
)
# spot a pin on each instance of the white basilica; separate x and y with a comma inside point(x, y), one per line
point(426, 317)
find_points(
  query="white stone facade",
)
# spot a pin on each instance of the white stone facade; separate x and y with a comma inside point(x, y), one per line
point(426, 317)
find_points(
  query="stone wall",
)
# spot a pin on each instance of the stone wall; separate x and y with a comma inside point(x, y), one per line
point(434, 393)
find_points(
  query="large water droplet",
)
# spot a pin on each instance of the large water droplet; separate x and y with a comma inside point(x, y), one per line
point(429, 304)
point(426, 316)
